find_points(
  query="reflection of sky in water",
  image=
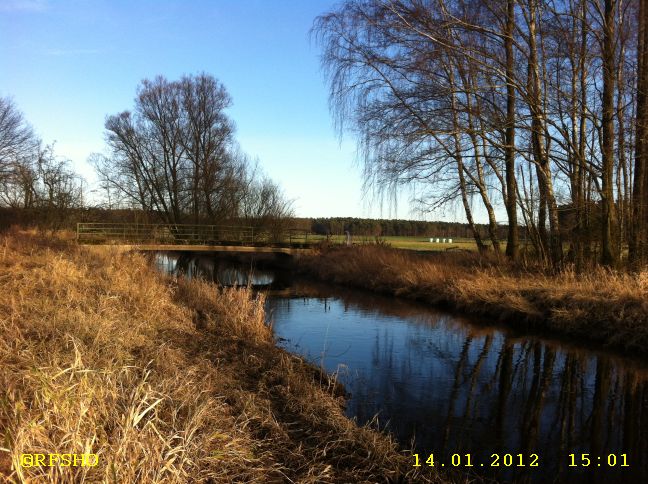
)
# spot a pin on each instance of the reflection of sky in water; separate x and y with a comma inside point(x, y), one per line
point(213, 269)
point(165, 263)
point(457, 389)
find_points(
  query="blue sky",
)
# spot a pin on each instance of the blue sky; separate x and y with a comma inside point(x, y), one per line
point(69, 63)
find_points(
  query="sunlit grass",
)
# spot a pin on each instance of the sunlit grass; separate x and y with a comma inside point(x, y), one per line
point(166, 381)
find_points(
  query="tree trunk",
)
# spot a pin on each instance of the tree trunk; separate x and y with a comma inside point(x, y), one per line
point(512, 244)
point(538, 130)
point(608, 254)
point(638, 240)
point(460, 167)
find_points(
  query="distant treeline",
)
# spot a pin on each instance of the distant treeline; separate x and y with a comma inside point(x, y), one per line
point(386, 228)
point(43, 218)
point(421, 228)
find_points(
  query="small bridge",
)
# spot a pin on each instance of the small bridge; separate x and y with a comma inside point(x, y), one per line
point(194, 238)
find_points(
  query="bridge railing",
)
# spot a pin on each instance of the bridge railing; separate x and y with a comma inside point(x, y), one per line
point(189, 234)
point(99, 233)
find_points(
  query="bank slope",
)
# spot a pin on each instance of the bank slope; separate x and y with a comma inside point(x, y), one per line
point(161, 379)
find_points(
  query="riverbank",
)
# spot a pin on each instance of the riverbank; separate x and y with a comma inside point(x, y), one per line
point(602, 307)
point(162, 380)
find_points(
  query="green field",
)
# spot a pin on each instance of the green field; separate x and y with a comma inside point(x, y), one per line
point(401, 242)
point(423, 243)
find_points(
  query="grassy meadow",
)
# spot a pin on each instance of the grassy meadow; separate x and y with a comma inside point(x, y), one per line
point(165, 380)
point(397, 242)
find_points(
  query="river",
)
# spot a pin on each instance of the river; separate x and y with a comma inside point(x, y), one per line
point(483, 400)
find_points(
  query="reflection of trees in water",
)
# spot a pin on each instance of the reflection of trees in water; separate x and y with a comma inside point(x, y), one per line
point(455, 389)
point(222, 270)
point(184, 264)
point(481, 392)
point(372, 305)
point(474, 373)
point(514, 398)
point(541, 370)
point(505, 380)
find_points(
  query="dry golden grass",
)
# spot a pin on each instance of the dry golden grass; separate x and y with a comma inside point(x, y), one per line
point(602, 306)
point(167, 381)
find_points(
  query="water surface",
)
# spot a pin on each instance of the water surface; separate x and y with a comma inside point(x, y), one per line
point(445, 386)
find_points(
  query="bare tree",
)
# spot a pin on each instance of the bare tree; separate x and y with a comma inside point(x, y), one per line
point(207, 140)
point(512, 245)
point(175, 156)
point(639, 236)
point(18, 153)
point(173, 153)
point(264, 206)
point(412, 102)
point(17, 140)
point(522, 103)
point(32, 176)
point(58, 189)
point(608, 256)
point(18, 186)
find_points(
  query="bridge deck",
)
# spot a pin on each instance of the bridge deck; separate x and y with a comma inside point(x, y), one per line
point(214, 248)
